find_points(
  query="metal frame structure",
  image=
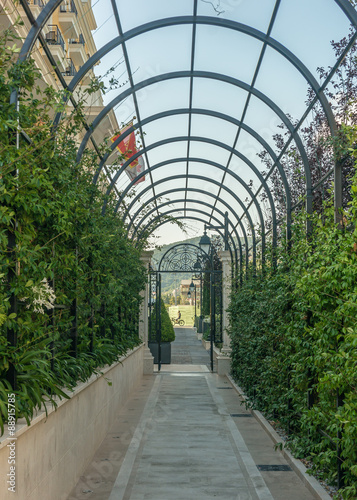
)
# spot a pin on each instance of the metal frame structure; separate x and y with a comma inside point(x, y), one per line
point(181, 258)
point(140, 224)
point(192, 74)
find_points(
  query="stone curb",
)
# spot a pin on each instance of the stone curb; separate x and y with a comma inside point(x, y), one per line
point(310, 482)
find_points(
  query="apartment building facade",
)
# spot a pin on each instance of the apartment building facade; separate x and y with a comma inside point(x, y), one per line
point(68, 38)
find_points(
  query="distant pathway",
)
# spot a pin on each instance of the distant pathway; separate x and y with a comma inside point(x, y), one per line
point(186, 349)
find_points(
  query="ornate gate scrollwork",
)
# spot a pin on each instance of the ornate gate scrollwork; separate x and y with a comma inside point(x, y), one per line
point(183, 258)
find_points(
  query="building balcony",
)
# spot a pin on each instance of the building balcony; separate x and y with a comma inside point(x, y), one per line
point(67, 18)
point(36, 7)
point(56, 44)
point(77, 50)
point(70, 68)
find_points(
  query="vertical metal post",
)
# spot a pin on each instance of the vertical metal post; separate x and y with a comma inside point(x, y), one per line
point(11, 276)
point(201, 295)
point(91, 323)
point(74, 329)
point(213, 312)
point(103, 314)
point(11, 333)
point(74, 313)
point(150, 299)
point(309, 211)
point(226, 230)
point(340, 472)
point(288, 231)
point(195, 305)
point(52, 317)
point(158, 298)
point(338, 193)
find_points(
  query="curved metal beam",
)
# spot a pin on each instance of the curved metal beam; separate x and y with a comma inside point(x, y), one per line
point(203, 221)
point(196, 211)
point(183, 176)
point(181, 245)
point(348, 10)
point(213, 21)
point(200, 74)
point(170, 191)
point(172, 202)
point(237, 199)
point(201, 191)
point(206, 193)
point(216, 165)
point(214, 114)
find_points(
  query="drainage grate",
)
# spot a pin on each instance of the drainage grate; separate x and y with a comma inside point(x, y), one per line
point(224, 387)
point(241, 415)
point(274, 468)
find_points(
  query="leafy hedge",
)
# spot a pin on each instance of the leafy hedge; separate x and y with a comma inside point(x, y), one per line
point(56, 250)
point(294, 340)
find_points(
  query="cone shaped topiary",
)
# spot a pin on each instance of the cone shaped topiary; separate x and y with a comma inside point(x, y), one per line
point(167, 330)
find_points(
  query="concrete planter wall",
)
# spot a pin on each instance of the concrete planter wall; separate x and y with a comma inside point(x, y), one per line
point(54, 451)
point(206, 344)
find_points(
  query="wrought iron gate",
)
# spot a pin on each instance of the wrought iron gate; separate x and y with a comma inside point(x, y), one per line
point(183, 258)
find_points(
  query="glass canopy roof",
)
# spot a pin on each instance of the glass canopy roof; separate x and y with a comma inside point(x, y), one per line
point(208, 85)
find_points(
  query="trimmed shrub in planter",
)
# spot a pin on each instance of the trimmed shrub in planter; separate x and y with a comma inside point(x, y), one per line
point(167, 336)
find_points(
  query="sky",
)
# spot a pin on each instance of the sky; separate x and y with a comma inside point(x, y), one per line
point(305, 27)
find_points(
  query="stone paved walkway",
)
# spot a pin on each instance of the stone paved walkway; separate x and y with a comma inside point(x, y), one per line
point(187, 349)
point(184, 434)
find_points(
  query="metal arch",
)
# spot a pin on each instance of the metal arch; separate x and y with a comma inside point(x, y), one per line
point(238, 200)
point(190, 200)
point(195, 210)
point(348, 10)
point(198, 74)
point(165, 193)
point(344, 5)
point(207, 112)
point(201, 191)
point(131, 81)
point(223, 23)
point(173, 250)
point(275, 108)
point(216, 165)
point(50, 7)
point(183, 176)
point(191, 217)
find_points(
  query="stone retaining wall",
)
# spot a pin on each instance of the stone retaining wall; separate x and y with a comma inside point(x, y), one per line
point(54, 451)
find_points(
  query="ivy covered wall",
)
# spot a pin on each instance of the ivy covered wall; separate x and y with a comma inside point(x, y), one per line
point(70, 279)
point(294, 342)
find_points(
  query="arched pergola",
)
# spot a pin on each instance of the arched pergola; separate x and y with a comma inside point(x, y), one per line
point(169, 172)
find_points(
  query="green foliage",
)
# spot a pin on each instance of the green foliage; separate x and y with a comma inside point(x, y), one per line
point(64, 246)
point(167, 329)
point(294, 334)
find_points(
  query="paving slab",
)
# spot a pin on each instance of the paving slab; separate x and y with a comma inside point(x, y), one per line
point(179, 437)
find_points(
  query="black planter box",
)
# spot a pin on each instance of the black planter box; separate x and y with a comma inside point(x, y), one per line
point(165, 352)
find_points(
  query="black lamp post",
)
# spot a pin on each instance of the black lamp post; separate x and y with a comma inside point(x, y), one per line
point(198, 270)
point(195, 305)
point(205, 245)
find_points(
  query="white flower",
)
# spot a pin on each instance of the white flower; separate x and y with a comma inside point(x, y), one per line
point(43, 297)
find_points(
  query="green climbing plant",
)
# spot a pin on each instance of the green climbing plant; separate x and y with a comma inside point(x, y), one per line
point(74, 273)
